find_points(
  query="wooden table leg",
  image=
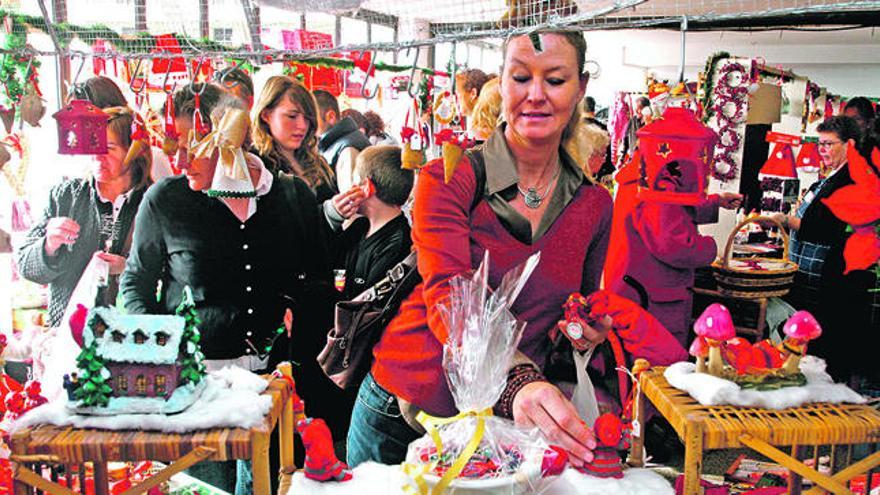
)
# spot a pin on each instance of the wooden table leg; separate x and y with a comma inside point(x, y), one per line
point(286, 426)
point(102, 480)
point(794, 465)
point(795, 482)
point(19, 442)
point(693, 456)
point(260, 462)
point(637, 452)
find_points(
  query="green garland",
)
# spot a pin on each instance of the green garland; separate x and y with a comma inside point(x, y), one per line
point(136, 43)
point(709, 71)
point(141, 42)
point(13, 67)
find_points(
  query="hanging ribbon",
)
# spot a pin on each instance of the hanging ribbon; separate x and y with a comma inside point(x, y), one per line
point(169, 141)
point(140, 139)
point(228, 137)
point(199, 125)
point(431, 423)
point(417, 474)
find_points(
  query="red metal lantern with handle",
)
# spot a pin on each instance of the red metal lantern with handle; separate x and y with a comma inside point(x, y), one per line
point(82, 129)
point(675, 153)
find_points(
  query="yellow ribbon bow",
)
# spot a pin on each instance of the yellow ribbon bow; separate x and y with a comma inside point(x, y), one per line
point(228, 137)
point(431, 423)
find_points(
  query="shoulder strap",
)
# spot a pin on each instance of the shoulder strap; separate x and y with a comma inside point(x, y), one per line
point(475, 157)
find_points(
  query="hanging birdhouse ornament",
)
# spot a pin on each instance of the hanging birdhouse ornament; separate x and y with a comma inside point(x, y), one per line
point(82, 129)
point(676, 152)
point(32, 107)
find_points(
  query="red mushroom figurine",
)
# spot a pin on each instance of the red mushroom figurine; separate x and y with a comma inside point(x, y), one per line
point(801, 328)
point(700, 349)
point(716, 326)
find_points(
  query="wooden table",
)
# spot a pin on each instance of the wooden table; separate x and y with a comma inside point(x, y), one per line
point(68, 445)
point(763, 430)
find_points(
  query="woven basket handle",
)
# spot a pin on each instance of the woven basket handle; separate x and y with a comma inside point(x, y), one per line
point(757, 218)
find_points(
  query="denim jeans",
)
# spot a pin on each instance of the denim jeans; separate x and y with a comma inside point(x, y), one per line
point(378, 431)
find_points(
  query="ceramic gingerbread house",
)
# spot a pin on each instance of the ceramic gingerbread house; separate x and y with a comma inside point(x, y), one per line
point(136, 364)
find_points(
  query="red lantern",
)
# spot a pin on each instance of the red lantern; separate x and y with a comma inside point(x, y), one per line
point(82, 129)
point(679, 148)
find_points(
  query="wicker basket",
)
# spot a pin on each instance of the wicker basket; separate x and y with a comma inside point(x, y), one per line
point(748, 283)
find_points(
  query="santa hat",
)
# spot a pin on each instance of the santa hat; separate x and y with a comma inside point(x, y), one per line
point(808, 158)
point(781, 162)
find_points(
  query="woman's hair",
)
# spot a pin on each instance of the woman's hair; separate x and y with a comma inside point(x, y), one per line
point(487, 110)
point(375, 125)
point(119, 120)
point(863, 107)
point(100, 91)
point(356, 116)
point(579, 43)
point(846, 128)
point(473, 79)
point(184, 100)
point(315, 168)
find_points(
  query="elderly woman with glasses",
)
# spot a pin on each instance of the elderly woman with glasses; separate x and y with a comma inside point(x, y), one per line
point(841, 302)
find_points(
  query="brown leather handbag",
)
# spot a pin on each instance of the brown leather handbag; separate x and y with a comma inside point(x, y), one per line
point(359, 324)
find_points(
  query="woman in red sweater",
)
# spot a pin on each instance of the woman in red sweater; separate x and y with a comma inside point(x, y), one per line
point(535, 198)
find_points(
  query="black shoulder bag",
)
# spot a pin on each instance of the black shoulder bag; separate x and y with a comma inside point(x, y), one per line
point(358, 324)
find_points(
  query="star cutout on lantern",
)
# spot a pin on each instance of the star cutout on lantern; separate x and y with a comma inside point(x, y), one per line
point(664, 150)
point(704, 156)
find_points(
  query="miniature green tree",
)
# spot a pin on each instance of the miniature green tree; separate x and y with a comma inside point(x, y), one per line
point(93, 375)
point(192, 360)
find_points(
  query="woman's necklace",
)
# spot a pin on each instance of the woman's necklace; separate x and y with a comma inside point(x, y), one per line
point(531, 197)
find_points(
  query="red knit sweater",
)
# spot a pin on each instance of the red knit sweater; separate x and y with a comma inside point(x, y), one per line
point(450, 240)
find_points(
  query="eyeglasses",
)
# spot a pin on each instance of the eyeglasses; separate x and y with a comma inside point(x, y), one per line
point(828, 144)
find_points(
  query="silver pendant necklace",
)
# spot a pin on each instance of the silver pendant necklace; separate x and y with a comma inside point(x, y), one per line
point(532, 198)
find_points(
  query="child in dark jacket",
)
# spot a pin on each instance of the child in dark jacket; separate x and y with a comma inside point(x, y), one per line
point(380, 237)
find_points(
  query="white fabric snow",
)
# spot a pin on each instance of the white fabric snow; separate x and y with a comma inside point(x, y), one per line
point(710, 390)
point(371, 478)
point(231, 399)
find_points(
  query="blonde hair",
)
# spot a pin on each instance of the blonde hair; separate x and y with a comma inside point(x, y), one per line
point(486, 114)
point(585, 141)
point(315, 168)
point(119, 120)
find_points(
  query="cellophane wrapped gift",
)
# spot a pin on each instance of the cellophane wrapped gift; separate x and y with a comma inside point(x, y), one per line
point(475, 452)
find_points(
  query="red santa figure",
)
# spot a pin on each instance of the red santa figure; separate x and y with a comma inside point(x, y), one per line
point(33, 389)
point(321, 463)
point(655, 246)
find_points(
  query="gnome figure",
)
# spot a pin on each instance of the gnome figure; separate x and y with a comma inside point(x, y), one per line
point(611, 439)
point(321, 463)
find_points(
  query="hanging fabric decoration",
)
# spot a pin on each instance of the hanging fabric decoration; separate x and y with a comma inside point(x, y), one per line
point(453, 148)
point(140, 140)
point(200, 126)
point(808, 158)
point(445, 108)
point(829, 108)
point(32, 107)
point(414, 143)
point(730, 97)
point(4, 155)
point(231, 177)
point(169, 142)
point(7, 115)
point(21, 210)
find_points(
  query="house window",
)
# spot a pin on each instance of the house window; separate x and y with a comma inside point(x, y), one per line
point(160, 384)
point(223, 35)
point(121, 384)
point(98, 327)
point(117, 336)
point(139, 336)
point(141, 385)
point(161, 338)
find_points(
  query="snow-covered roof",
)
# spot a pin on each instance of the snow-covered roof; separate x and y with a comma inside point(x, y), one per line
point(127, 351)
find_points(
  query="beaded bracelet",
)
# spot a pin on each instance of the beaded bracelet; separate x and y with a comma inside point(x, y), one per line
point(517, 378)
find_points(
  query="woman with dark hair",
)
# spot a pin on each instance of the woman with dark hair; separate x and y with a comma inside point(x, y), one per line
point(88, 217)
point(284, 124)
point(104, 93)
point(101, 91)
point(862, 111)
point(375, 129)
point(534, 198)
